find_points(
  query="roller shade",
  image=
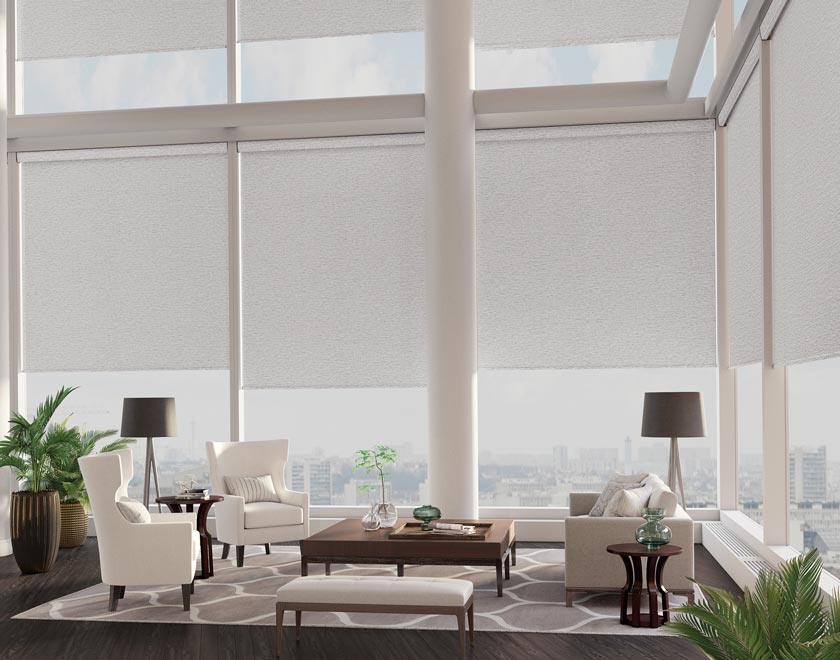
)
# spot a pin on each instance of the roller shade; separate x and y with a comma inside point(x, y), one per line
point(333, 262)
point(125, 259)
point(745, 283)
point(805, 138)
point(84, 28)
point(596, 246)
point(498, 23)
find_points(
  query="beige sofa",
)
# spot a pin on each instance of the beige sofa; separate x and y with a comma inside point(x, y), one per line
point(590, 568)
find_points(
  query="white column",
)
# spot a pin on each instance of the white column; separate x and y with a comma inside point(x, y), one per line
point(450, 209)
point(774, 379)
point(727, 415)
point(7, 378)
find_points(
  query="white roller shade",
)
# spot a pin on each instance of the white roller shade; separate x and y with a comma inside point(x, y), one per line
point(125, 259)
point(805, 134)
point(84, 28)
point(745, 283)
point(499, 23)
point(333, 262)
point(596, 246)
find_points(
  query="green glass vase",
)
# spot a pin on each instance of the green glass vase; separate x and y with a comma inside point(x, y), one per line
point(426, 514)
point(653, 533)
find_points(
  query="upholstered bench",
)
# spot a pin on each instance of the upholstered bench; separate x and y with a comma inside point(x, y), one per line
point(380, 594)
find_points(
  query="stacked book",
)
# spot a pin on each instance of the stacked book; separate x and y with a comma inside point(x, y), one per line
point(452, 529)
point(195, 494)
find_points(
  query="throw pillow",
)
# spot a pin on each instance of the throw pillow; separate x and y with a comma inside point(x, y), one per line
point(628, 503)
point(252, 489)
point(133, 511)
point(616, 483)
point(661, 496)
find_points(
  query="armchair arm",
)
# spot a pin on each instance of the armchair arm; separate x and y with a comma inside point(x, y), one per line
point(580, 504)
point(297, 498)
point(167, 549)
point(230, 520)
point(173, 517)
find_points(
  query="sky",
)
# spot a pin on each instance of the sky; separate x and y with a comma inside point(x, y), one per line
point(361, 65)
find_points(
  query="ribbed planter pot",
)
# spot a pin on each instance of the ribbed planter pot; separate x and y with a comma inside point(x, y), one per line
point(74, 524)
point(36, 530)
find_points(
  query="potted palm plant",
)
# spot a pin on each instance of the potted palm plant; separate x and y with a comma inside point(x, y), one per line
point(32, 449)
point(782, 618)
point(66, 478)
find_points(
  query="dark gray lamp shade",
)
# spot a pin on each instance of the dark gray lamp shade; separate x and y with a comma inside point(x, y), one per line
point(149, 417)
point(673, 415)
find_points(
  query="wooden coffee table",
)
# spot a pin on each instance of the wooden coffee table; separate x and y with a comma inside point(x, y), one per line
point(347, 543)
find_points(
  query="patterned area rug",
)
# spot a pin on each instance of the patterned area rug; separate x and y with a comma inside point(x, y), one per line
point(533, 598)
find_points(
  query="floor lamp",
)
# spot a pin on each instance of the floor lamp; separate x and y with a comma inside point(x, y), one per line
point(674, 415)
point(149, 417)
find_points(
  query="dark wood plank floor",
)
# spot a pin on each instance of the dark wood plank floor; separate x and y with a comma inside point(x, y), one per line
point(78, 568)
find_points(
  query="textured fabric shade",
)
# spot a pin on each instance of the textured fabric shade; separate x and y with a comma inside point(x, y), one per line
point(673, 415)
point(149, 417)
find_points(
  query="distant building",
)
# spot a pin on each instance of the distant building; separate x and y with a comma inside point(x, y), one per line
point(599, 460)
point(561, 458)
point(807, 475)
point(313, 476)
point(628, 454)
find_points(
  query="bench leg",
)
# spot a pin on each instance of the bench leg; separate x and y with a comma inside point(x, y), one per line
point(471, 620)
point(461, 635)
point(280, 614)
point(298, 614)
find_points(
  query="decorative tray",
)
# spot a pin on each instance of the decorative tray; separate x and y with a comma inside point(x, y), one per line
point(414, 531)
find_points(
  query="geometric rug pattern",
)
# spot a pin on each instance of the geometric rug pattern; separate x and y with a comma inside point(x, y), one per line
point(533, 599)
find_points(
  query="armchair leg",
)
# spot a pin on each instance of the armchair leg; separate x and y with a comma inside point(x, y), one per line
point(113, 597)
point(192, 586)
point(268, 548)
point(121, 593)
point(240, 556)
point(225, 550)
point(185, 595)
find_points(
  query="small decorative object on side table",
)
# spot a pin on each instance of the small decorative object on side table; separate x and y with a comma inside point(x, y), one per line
point(652, 533)
point(174, 503)
point(631, 554)
point(426, 514)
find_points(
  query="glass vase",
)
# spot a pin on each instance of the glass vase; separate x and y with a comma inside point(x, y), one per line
point(653, 533)
point(371, 521)
point(387, 513)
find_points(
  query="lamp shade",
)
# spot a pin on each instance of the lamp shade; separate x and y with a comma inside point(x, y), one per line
point(673, 415)
point(149, 417)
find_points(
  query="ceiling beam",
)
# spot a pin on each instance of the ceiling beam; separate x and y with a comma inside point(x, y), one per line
point(698, 24)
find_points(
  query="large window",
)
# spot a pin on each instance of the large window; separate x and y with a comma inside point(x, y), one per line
point(814, 461)
point(546, 433)
point(750, 440)
point(201, 404)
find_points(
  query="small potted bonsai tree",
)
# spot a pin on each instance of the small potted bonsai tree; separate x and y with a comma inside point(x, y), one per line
point(376, 460)
point(67, 479)
point(32, 449)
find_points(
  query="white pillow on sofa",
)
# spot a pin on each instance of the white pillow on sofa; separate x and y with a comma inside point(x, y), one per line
point(253, 489)
point(661, 496)
point(628, 503)
point(616, 483)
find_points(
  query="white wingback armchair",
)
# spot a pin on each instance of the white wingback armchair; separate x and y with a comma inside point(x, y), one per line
point(255, 523)
point(163, 551)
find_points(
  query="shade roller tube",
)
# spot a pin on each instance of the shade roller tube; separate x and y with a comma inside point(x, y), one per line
point(745, 284)
point(125, 259)
point(596, 246)
point(84, 28)
point(498, 23)
point(333, 262)
point(805, 139)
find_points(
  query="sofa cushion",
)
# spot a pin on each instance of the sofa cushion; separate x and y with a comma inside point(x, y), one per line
point(271, 514)
point(616, 483)
point(376, 590)
point(628, 503)
point(133, 511)
point(252, 489)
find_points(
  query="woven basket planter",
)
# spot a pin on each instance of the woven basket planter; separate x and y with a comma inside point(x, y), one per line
point(74, 524)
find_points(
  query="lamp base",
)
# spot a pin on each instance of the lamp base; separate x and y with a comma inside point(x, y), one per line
point(675, 471)
point(151, 469)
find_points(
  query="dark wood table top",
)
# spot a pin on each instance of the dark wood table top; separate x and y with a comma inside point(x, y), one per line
point(174, 499)
point(348, 539)
point(639, 550)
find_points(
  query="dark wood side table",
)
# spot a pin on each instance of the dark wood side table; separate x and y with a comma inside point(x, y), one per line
point(631, 554)
point(174, 503)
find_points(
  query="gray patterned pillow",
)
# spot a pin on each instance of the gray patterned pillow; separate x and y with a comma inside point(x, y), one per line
point(133, 511)
point(616, 483)
point(253, 489)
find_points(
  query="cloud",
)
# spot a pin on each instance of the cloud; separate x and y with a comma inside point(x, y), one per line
point(621, 62)
point(532, 67)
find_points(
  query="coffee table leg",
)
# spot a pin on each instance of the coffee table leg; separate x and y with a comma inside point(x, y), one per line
point(304, 567)
point(513, 553)
point(507, 567)
point(400, 570)
point(327, 569)
point(499, 577)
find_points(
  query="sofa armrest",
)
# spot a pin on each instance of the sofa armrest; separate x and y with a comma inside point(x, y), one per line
point(230, 520)
point(173, 517)
point(580, 504)
point(297, 498)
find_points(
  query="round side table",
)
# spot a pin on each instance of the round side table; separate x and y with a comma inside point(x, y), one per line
point(204, 503)
point(631, 554)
